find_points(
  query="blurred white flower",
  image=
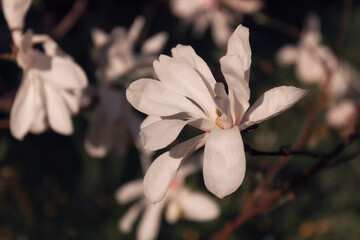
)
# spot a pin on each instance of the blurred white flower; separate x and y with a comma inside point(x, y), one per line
point(116, 52)
point(314, 62)
point(187, 93)
point(113, 124)
point(219, 15)
point(14, 13)
point(50, 89)
point(179, 202)
point(342, 115)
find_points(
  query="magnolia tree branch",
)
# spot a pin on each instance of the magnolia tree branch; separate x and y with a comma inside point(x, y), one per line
point(70, 19)
point(268, 200)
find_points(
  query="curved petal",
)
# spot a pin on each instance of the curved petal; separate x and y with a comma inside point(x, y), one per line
point(221, 28)
point(63, 73)
point(127, 221)
point(57, 112)
point(72, 99)
point(152, 97)
point(179, 76)
point(188, 54)
point(15, 12)
point(239, 45)
point(160, 134)
point(239, 91)
point(272, 103)
point(163, 170)
point(149, 120)
point(155, 44)
point(198, 206)
point(99, 37)
point(22, 112)
point(149, 225)
point(135, 29)
point(129, 191)
point(224, 161)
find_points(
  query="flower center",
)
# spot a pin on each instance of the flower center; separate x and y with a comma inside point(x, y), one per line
point(218, 121)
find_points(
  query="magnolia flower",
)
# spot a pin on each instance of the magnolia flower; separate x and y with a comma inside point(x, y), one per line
point(219, 15)
point(179, 202)
point(14, 13)
point(50, 89)
point(112, 125)
point(342, 115)
point(116, 51)
point(313, 61)
point(187, 93)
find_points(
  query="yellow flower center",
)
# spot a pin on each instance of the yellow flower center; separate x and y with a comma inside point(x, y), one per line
point(218, 121)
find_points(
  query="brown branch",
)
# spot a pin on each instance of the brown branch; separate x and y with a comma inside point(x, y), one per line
point(268, 200)
point(69, 20)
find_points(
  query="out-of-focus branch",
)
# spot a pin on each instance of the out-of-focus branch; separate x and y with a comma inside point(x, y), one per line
point(284, 151)
point(69, 20)
point(269, 199)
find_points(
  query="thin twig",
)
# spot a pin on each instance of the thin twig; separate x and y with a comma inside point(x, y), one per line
point(284, 151)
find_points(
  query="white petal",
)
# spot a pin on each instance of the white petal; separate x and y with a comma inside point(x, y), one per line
point(239, 45)
point(160, 134)
point(136, 28)
point(197, 206)
point(163, 170)
point(155, 44)
point(58, 114)
point(179, 76)
point(129, 192)
point(40, 123)
point(238, 85)
point(15, 12)
point(127, 221)
point(221, 28)
point(22, 112)
point(63, 73)
point(272, 103)
point(341, 115)
point(224, 161)
point(149, 225)
point(287, 55)
point(152, 97)
point(244, 7)
point(99, 37)
point(188, 54)
point(149, 120)
point(72, 99)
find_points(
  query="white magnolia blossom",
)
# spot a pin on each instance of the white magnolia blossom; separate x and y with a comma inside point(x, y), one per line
point(179, 202)
point(116, 51)
point(14, 13)
point(50, 89)
point(219, 15)
point(187, 93)
point(342, 115)
point(314, 62)
point(112, 125)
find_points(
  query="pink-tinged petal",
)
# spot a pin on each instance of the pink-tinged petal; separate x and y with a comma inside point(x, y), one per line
point(149, 225)
point(197, 206)
point(179, 76)
point(163, 170)
point(272, 103)
point(127, 221)
point(287, 55)
point(224, 161)
point(155, 44)
point(62, 73)
point(57, 112)
point(129, 192)
point(341, 115)
point(22, 112)
point(99, 37)
point(135, 29)
point(39, 124)
point(160, 134)
point(149, 120)
point(239, 45)
point(221, 28)
point(15, 12)
point(203, 124)
point(188, 54)
point(98, 137)
point(244, 7)
point(152, 97)
point(72, 99)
